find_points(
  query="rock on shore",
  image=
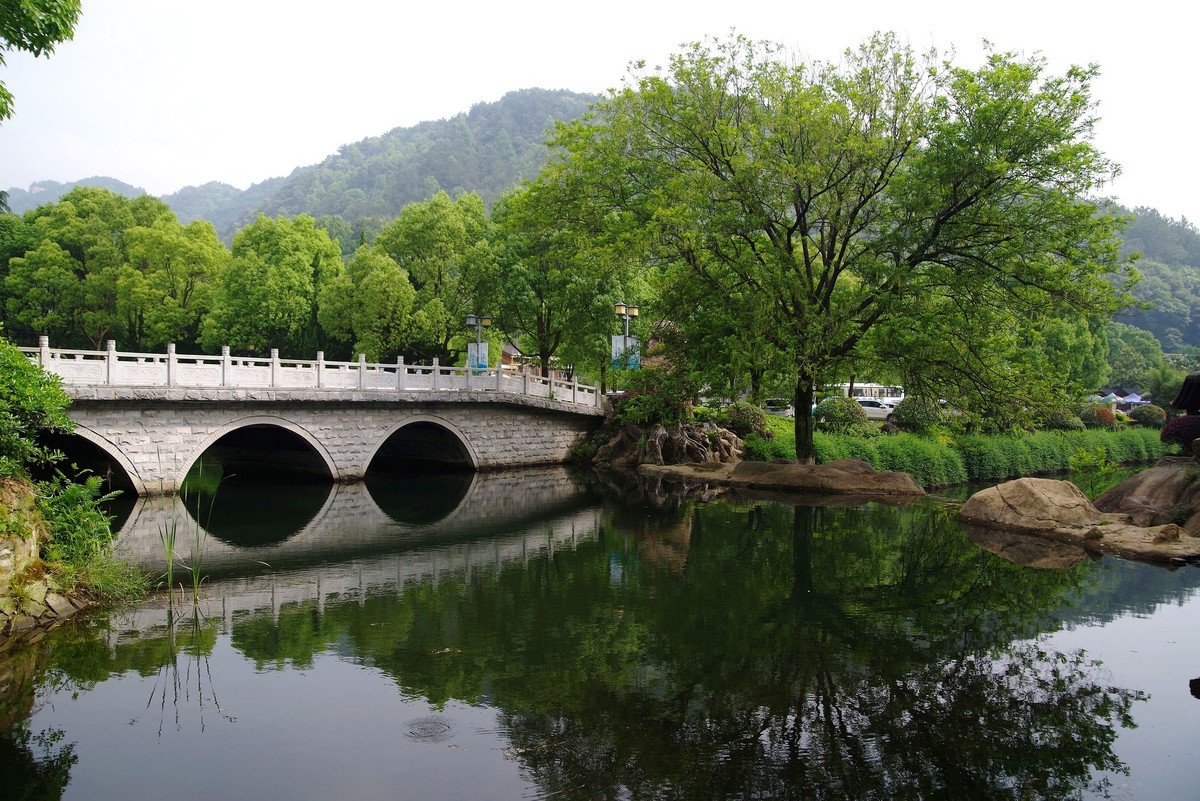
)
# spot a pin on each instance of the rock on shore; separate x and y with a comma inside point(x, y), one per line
point(1058, 510)
point(842, 477)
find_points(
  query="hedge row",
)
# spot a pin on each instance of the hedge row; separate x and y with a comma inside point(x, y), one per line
point(952, 460)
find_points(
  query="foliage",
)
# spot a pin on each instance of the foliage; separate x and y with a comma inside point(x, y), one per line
point(34, 26)
point(854, 207)
point(1098, 415)
point(268, 296)
point(744, 418)
point(1147, 414)
point(1168, 293)
point(1133, 355)
point(31, 403)
point(1181, 431)
point(369, 304)
point(917, 414)
point(79, 529)
point(656, 395)
point(1093, 468)
point(839, 415)
point(1060, 419)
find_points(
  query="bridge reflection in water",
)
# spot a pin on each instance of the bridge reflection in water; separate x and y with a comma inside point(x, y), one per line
point(262, 547)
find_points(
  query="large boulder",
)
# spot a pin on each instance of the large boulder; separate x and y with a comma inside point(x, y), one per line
point(841, 477)
point(1058, 510)
point(1169, 492)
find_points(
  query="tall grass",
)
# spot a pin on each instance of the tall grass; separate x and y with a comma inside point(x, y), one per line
point(941, 458)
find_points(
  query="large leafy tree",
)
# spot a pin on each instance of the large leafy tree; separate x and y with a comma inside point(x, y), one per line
point(444, 247)
point(34, 26)
point(921, 210)
point(369, 304)
point(551, 295)
point(268, 296)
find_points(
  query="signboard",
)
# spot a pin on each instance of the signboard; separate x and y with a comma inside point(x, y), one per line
point(477, 355)
point(623, 359)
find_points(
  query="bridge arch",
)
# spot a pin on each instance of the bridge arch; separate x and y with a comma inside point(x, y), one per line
point(264, 422)
point(113, 452)
point(430, 439)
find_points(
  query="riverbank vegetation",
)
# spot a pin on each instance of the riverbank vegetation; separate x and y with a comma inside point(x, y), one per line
point(64, 517)
point(941, 456)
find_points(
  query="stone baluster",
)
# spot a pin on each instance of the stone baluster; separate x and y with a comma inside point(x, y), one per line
point(110, 362)
point(362, 371)
point(499, 377)
point(434, 375)
point(320, 369)
point(400, 372)
point(225, 365)
point(172, 365)
point(274, 367)
point(44, 352)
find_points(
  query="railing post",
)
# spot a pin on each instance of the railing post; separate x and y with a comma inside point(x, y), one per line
point(436, 370)
point(44, 352)
point(400, 370)
point(171, 364)
point(110, 362)
point(225, 366)
point(320, 369)
point(499, 377)
point(525, 380)
point(362, 371)
point(274, 367)
point(574, 390)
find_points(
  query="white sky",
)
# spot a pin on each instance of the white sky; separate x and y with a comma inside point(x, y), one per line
point(164, 94)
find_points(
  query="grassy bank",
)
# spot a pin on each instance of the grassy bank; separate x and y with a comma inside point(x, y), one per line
point(944, 458)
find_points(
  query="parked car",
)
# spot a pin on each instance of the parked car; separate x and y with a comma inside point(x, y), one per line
point(875, 408)
point(780, 407)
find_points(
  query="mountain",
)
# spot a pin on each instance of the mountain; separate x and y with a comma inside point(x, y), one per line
point(23, 200)
point(487, 150)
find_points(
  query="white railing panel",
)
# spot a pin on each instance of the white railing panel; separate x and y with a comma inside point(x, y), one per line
point(152, 369)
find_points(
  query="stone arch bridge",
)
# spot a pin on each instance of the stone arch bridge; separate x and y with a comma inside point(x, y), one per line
point(153, 416)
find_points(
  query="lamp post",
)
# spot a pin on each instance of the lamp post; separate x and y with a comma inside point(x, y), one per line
point(625, 313)
point(478, 322)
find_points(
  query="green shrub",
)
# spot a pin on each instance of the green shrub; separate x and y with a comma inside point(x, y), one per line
point(79, 528)
point(744, 419)
point(838, 414)
point(31, 402)
point(1148, 415)
point(917, 415)
point(1061, 420)
point(1098, 415)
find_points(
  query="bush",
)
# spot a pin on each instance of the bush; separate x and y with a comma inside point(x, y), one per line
point(838, 415)
point(916, 414)
point(31, 402)
point(1181, 431)
point(1148, 415)
point(1061, 420)
point(744, 419)
point(1098, 415)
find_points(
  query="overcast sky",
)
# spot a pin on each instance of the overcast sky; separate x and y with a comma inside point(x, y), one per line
point(164, 94)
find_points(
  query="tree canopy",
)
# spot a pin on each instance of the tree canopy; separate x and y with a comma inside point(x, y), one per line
point(34, 26)
point(934, 214)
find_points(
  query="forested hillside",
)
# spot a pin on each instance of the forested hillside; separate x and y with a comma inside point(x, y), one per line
point(1170, 270)
point(356, 191)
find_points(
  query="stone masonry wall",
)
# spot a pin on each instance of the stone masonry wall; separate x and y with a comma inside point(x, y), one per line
point(156, 434)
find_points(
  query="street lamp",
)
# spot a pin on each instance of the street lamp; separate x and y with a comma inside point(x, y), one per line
point(479, 323)
point(625, 313)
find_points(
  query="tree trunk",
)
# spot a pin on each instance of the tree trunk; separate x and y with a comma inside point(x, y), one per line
point(803, 404)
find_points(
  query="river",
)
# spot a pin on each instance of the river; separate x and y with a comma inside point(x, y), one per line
point(538, 634)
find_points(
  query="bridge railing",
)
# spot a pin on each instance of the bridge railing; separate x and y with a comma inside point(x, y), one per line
point(116, 368)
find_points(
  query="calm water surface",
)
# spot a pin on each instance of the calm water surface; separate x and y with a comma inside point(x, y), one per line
point(532, 635)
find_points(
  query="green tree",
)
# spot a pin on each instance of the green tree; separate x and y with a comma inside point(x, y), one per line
point(444, 247)
point(31, 404)
point(551, 295)
point(1134, 356)
point(34, 26)
point(924, 204)
point(370, 304)
point(268, 296)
